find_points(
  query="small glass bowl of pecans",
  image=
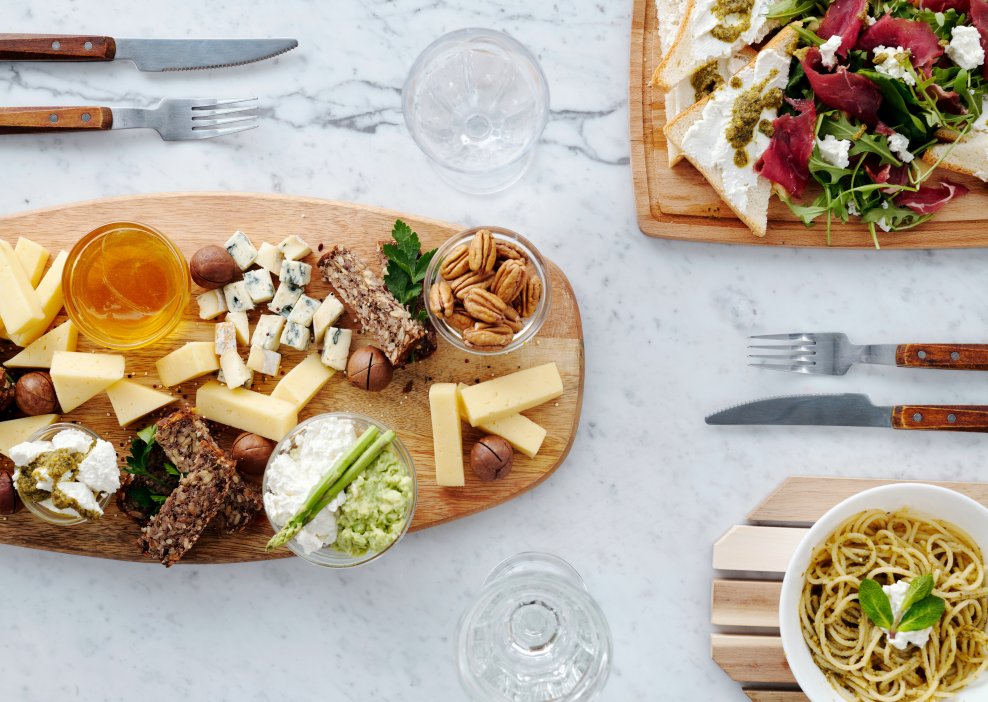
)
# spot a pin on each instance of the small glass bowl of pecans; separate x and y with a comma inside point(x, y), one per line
point(487, 291)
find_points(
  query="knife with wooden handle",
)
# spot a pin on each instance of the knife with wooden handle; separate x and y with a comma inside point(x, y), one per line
point(28, 120)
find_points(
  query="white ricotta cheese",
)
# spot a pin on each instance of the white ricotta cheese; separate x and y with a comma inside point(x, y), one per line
point(292, 475)
point(965, 47)
point(706, 46)
point(81, 494)
point(99, 469)
point(835, 151)
point(899, 145)
point(72, 440)
point(828, 50)
point(896, 594)
point(894, 62)
point(24, 454)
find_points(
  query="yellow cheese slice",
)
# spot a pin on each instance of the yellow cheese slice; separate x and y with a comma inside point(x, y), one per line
point(19, 303)
point(38, 354)
point(78, 377)
point(131, 400)
point(522, 433)
point(511, 394)
point(447, 436)
point(50, 295)
point(194, 359)
point(246, 410)
point(303, 381)
point(33, 257)
point(16, 431)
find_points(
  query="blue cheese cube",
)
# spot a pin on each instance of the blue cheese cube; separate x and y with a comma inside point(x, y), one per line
point(264, 361)
point(267, 333)
point(294, 249)
point(242, 325)
point(296, 273)
point(270, 258)
point(259, 285)
point(326, 316)
point(295, 336)
point(238, 297)
point(225, 335)
point(303, 311)
point(285, 299)
point(336, 348)
point(242, 251)
point(212, 304)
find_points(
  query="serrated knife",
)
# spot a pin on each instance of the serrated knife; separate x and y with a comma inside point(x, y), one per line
point(147, 54)
point(852, 410)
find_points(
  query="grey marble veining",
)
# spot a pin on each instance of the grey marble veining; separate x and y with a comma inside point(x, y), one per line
point(647, 488)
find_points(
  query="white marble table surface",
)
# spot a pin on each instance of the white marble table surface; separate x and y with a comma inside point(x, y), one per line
point(647, 488)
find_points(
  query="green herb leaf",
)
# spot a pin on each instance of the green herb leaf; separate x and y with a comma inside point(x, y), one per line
point(406, 267)
point(148, 433)
point(926, 612)
point(875, 603)
point(918, 589)
point(171, 470)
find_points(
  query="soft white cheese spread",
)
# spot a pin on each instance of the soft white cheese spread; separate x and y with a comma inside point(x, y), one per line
point(896, 594)
point(99, 469)
point(894, 62)
point(965, 47)
point(829, 49)
point(707, 141)
point(705, 46)
point(72, 440)
point(835, 151)
point(899, 145)
point(669, 23)
point(293, 474)
point(23, 454)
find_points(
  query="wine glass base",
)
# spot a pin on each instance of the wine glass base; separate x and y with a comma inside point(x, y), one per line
point(486, 183)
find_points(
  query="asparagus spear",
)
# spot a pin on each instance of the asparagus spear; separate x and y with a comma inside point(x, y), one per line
point(310, 508)
point(369, 456)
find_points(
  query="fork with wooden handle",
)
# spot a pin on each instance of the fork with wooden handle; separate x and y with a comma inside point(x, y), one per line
point(175, 119)
point(826, 353)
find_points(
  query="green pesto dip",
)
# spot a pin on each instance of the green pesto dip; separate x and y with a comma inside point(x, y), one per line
point(705, 80)
point(746, 116)
point(376, 506)
point(724, 9)
point(51, 466)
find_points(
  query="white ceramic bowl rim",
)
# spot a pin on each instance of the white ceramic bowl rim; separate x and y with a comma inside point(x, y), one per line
point(933, 500)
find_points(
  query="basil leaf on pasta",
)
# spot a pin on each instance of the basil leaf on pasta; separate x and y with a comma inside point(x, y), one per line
point(875, 603)
point(918, 589)
point(924, 613)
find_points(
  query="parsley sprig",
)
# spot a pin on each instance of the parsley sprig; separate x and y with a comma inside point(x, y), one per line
point(407, 266)
point(141, 449)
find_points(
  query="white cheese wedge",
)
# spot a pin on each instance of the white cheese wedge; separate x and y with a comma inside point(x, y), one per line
point(511, 394)
point(447, 436)
point(195, 359)
point(267, 333)
point(78, 377)
point(336, 348)
point(17, 431)
point(264, 361)
point(246, 410)
point(212, 304)
point(131, 400)
point(38, 354)
point(225, 338)
point(242, 251)
point(260, 287)
point(296, 336)
point(20, 306)
point(326, 316)
point(303, 311)
point(296, 273)
point(237, 297)
point(33, 257)
point(303, 382)
point(242, 325)
point(293, 248)
point(522, 433)
point(270, 258)
point(285, 299)
point(235, 373)
point(50, 295)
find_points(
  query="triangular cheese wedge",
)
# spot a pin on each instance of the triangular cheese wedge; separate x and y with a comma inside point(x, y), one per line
point(131, 400)
point(78, 377)
point(16, 431)
point(64, 337)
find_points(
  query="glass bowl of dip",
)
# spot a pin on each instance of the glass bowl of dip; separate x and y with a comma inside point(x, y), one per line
point(329, 556)
point(126, 285)
point(53, 516)
point(536, 265)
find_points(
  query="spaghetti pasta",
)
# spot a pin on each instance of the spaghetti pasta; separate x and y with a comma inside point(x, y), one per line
point(855, 654)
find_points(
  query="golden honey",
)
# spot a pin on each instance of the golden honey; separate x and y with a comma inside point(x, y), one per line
point(126, 285)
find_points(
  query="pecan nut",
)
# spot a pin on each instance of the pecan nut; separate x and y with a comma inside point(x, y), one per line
point(485, 306)
point(497, 336)
point(509, 280)
point(507, 251)
point(441, 299)
point(456, 264)
point(470, 281)
point(482, 251)
point(528, 301)
point(460, 320)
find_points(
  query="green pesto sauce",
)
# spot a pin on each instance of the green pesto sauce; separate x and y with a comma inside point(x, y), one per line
point(705, 80)
point(746, 116)
point(766, 128)
point(376, 507)
point(740, 10)
point(54, 464)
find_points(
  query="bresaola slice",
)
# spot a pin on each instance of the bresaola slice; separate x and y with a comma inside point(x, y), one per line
point(786, 160)
point(979, 18)
point(843, 90)
point(843, 18)
point(931, 198)
point(947, 100)
point(918, 37)
point(944, 5)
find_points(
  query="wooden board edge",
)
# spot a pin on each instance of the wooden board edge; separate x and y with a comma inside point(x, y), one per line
point(759, 695)
point(751, 659)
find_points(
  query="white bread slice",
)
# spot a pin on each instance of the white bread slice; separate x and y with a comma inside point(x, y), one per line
point(754, 210)
point(968, 156)
point(671, 14)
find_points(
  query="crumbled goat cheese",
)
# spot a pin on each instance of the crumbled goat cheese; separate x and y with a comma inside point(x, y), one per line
point(835, 151)
point(99, 469)
point(965, 47)
point(896, 594)
point(72, 440)
point(899, 145)
point(829, 49)
point(883, 223)
point(24, 454)
point(894, 62)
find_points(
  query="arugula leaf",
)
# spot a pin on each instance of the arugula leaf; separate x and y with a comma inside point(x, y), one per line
point(826, 171)
point(926, 612)
point(875, 603)
point(900, 104)
point(406, 267)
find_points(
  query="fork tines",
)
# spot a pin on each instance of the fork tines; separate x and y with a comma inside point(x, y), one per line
point(213, 118)
point(795, 357)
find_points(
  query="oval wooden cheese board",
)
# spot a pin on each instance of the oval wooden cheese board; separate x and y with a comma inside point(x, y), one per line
point(193, 220)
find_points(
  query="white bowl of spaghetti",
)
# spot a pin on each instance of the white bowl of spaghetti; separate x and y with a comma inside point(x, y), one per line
point(889, 533)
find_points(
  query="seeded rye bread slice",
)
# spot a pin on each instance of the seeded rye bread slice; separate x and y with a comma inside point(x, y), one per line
point(379, 313)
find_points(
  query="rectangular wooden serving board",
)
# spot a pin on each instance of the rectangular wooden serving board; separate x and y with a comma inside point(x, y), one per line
point(678, 203)
point(194, 220)
point(749, 562)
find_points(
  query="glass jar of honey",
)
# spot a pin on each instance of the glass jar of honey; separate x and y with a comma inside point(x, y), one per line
point(126, 285)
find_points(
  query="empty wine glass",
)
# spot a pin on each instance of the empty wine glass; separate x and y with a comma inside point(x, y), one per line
point(534, 634)
point(476, 102)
